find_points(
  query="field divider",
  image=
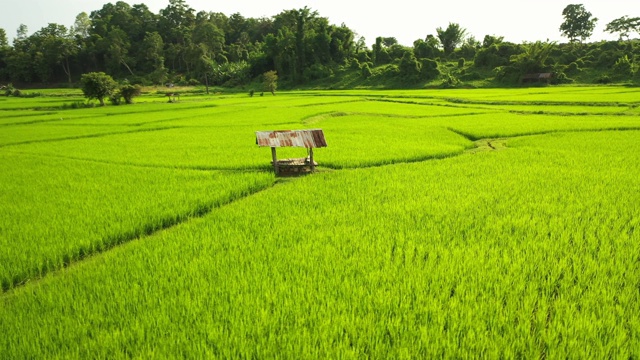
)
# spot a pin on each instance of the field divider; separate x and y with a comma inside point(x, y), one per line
point(146, 230)
point(474, 138)
point(265, 168)
point(89, 136)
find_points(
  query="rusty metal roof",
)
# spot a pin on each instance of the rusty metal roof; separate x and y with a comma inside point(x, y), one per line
point(313, 138)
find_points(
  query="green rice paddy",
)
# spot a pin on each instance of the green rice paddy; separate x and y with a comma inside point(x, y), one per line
point(487, 223)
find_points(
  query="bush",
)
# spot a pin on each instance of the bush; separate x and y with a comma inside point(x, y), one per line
point(573, 68)
point(366, 71)
point(461, 63)
point(128, 92)
point(97, 85)
point(429, 69)
point(449, 81)
point(623, 66)
point(317, 71)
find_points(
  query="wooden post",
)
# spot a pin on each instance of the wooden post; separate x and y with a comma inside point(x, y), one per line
point(313, 167)
point(275, 160)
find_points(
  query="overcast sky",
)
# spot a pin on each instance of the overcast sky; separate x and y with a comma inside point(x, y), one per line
point(516, 20)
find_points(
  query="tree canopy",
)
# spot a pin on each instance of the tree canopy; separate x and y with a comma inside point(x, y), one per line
point(179, 44)
point(451, 37)
point(578, 23)
point(97, 85)
point(623, 26)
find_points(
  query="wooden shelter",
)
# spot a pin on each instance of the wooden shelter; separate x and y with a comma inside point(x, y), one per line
point(309, 139)
point(537, 77)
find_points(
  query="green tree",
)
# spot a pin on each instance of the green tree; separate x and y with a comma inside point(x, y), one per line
point(22, 33)
point(389, 41)
point(82, 26)
point(4, 53)
point(361, 44)
point(451, 37)
point(97, 85)
point(578, 23)
point(427, 48)
point(624, 25)
point(56, 46)
point(3, 39)
point(128, 92)
point(491, 40)
point(270, 81)
point(409, 66)
point(533, 59)
point(153, 57)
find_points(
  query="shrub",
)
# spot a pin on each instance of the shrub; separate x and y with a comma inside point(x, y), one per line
point(97, 85)
point(128, 92)
point(623, 66)
point(449, 81)
point(366, 71)
point(429, 69)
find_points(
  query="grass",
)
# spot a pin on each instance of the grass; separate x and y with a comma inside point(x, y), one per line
point(409, 242)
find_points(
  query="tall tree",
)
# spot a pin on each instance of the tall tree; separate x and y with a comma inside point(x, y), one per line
point(578, 23)
point(22, 33)
point(624, 25)
point(3, 39)
point(427, 48)
point(81, 26)
point(56, 46)
point(153, 59)
point(451, 37)
point(175, 25)
point(4, 53)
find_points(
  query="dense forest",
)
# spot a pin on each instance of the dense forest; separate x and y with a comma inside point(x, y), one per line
point(182, 46)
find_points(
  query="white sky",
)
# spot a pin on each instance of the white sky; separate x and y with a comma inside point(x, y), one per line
point(516, 20)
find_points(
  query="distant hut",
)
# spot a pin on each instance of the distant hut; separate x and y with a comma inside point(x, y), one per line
point(308, 139)
point(537, 77)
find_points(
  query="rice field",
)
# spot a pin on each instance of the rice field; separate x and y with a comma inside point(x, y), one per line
point(485, 223)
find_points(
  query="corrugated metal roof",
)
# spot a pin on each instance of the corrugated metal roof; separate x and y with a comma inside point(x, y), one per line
point(313, 138)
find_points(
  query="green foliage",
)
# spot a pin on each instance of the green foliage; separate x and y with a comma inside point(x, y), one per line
point(270, 81)
point(317, 71)
point(365, 70)
point(449, 81)
point(624, 25)
point(409, 67)
point(490, 40)
point(533, 59)
point(495, 54)
point(8, 89)
point(451, 37)
point(97, 85)
point(427, 49)
point(128, 92)
point(624, 66)
point(578, 23)
point(429, 69)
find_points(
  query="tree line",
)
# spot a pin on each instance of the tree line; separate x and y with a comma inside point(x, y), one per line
point(180, 45)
